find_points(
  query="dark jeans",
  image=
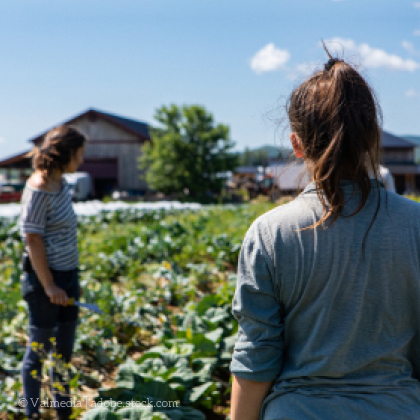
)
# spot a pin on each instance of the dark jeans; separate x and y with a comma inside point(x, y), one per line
point(48, 320)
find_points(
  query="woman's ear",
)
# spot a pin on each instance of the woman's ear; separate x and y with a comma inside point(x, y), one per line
point(296, 144)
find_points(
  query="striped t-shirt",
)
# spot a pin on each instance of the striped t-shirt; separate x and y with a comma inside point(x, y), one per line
point(51, 215)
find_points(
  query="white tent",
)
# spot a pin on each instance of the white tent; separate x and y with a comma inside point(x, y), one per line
point(289, 176)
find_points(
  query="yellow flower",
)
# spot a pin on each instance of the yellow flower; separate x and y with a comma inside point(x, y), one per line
point(34, 373)
point(34, 344)
point(58, 386)
point(52, 339)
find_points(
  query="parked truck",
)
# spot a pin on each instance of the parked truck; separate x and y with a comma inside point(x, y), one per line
point(80, 184)
point(11, 191)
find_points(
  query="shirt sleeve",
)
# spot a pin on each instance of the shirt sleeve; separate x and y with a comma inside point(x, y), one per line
point(33, 213)
point(258, 353)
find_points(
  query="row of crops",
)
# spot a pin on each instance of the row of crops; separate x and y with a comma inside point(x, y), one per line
point(165, 280)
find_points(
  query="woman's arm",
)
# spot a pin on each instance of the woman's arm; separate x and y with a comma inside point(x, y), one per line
point(38, 257)
point(257, 359)
point(247, 398)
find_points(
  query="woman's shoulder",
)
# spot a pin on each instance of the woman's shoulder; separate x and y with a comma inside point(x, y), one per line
point(406, 207)
point(284, 216)
point(304, 210)
point(286, 212)
point(36, 182)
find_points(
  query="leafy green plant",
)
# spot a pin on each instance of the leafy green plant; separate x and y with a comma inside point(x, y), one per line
point(165, 281)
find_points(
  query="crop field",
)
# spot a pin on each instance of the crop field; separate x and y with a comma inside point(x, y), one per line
point(165, 280)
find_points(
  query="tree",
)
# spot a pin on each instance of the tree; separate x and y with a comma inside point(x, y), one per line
point(188, 151)
point(261, 157)
point(247, 157)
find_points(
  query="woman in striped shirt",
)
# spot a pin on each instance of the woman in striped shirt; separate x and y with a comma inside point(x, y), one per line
point(48, 226)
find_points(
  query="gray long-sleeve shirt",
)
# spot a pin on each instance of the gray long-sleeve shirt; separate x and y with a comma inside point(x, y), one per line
point(338, 331)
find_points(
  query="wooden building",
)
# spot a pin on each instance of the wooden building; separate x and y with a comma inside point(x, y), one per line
point(17, 167)
point(246, 173)
point(114, 146)
point(398, 156)
point(111, 154)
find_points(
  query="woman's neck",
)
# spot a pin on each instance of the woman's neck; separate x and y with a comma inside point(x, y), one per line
point(54, 179)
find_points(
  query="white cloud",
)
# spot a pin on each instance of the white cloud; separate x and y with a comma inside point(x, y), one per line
point(411, 93)
point(416, 4)
point(269, 58)
point(2, 140)
point(373, 57)
point(307, 68)
point(416, 32)
point(302, 70)
point(409, 47)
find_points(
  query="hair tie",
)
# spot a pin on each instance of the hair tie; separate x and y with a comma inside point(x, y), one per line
point(330, 63)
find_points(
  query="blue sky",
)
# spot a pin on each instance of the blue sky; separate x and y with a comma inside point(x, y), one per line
point(240, 59)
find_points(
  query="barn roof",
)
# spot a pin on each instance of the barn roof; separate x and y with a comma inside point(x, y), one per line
point(15, 159)
point(136, 127)
point(391, 141)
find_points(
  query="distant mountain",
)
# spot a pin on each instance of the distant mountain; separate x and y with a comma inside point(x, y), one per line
point(272, 151)
point(263, 156)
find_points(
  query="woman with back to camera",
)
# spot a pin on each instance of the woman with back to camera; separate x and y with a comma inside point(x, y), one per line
point(328, 289)
point(48, 225)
